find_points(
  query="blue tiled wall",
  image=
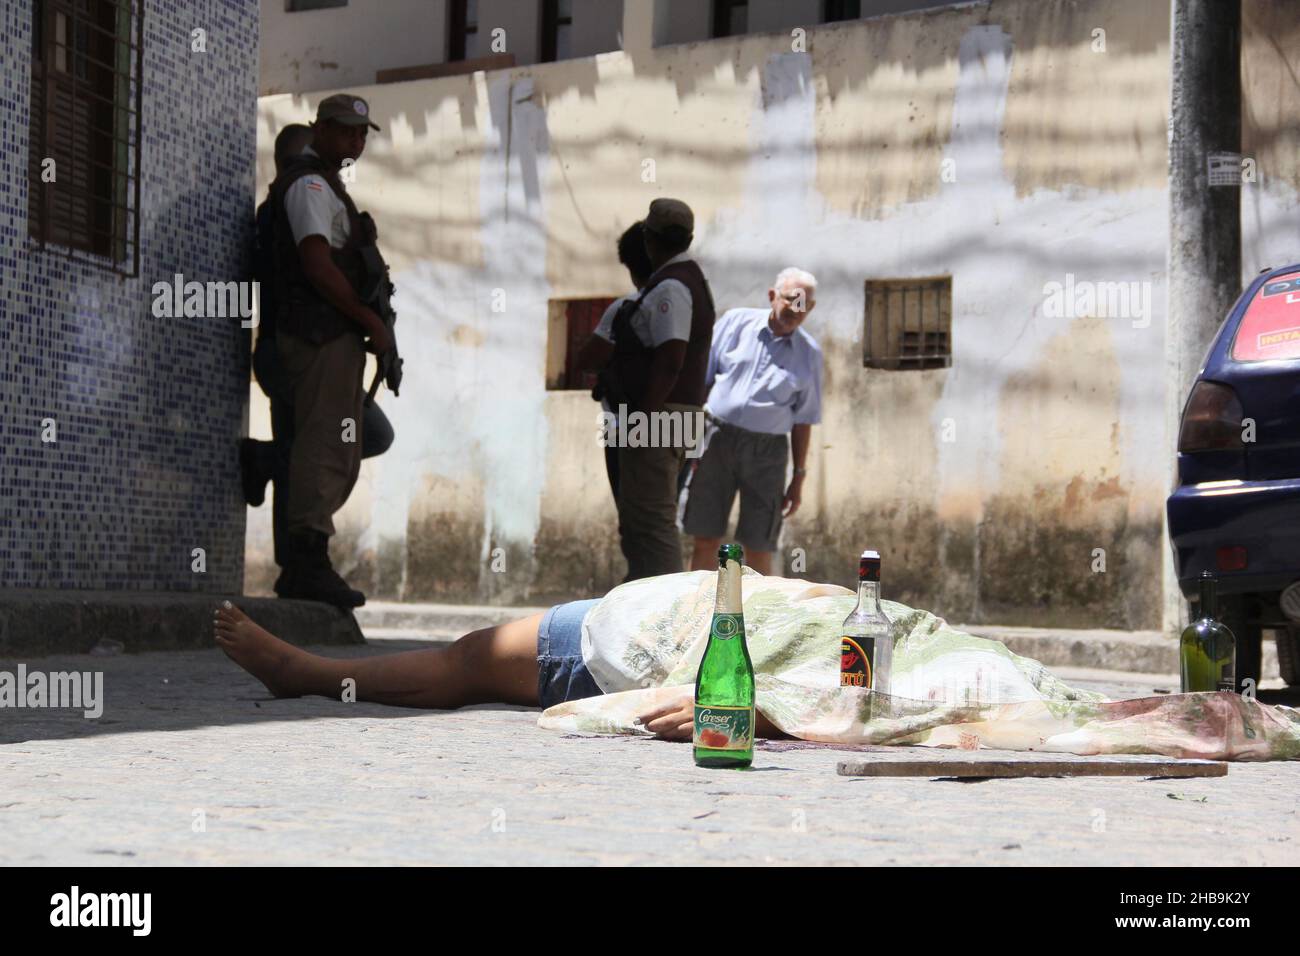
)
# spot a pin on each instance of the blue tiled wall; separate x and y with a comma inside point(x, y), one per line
point(148, 410)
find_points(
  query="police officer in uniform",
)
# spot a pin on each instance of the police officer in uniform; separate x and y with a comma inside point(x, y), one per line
point(325, 261)
point(268, 461)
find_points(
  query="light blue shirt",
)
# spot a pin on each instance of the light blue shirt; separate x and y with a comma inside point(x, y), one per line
point(760, 381)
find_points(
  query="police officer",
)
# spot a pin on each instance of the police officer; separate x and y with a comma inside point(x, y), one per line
point(324, 327)
point(268, 461)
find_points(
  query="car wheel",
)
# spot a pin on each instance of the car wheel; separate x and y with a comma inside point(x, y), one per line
point(1288, 654)
point(1236, 613)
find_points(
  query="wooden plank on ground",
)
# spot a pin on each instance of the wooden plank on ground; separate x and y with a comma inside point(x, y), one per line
point(1098, 767)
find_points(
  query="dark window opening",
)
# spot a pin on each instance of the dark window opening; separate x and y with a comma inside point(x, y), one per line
point(85, 128)
point(297, 6)
point(835, 10)
point(730, 17)
point(557, 30)
point(571, 322)
point(462, 31)
point(908, 324)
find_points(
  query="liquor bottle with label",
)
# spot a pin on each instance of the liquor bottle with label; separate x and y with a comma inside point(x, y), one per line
point(724, 685)
point(867, 644)
point(1207, 650)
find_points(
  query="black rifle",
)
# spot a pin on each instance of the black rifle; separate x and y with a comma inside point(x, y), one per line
point(377, 292)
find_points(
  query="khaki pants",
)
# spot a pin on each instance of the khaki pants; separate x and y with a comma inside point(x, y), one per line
point(647, 507)
point(326, 383)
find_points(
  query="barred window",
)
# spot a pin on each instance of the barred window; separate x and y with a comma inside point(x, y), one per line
point(84, 159)
point(908, 323)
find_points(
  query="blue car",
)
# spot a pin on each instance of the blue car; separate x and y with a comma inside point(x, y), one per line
point(1236, 510)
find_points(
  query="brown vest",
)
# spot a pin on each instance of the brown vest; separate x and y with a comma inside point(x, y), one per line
point(630, 364)
point(300, 309)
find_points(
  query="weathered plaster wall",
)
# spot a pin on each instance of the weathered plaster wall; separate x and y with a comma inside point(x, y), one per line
point(989, 486)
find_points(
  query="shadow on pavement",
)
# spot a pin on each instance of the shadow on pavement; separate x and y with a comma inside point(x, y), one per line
point(185, 690)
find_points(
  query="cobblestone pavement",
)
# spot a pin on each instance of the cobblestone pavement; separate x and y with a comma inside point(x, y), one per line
point(186, 738)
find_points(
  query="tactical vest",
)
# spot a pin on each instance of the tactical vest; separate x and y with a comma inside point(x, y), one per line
point(300, 309)
point(631, 360)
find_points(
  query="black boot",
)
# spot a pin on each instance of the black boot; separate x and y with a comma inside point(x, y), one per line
point(311, 577)
point(252, 476)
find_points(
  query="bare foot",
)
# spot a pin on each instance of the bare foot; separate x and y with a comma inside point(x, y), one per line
point(275, 663)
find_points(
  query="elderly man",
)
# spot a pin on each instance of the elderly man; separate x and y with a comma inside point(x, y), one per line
point(765, 394)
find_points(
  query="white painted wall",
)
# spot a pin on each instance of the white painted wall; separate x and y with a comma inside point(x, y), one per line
point(345, 47)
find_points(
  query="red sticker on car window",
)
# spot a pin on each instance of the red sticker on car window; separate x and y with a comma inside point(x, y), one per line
point(1270, 329)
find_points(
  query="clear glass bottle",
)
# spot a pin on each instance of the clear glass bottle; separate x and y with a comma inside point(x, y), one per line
point(1207, 651)
point(867, 644)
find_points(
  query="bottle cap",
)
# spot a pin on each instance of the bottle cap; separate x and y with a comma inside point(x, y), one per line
point(869, 566)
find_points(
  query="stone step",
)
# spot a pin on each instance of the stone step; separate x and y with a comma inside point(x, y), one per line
point(40, 622)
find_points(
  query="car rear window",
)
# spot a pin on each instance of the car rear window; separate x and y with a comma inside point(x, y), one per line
point(1270, 329)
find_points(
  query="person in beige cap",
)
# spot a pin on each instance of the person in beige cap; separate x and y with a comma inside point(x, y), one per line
point(321, 248)
point(654, 361)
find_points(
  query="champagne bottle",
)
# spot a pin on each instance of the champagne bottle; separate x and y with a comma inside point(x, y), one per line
point(724, 684)
point(1207, 649)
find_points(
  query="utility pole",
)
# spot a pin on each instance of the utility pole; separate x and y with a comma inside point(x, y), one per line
point(1204, 218)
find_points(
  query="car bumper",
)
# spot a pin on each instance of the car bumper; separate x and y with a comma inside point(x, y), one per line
point(1261, 516)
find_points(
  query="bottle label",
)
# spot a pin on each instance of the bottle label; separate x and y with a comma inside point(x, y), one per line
point(727, 626)
point(724, 728)
point(1228, 684)
point(857, 655)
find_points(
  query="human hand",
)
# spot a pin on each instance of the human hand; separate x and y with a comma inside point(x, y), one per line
point(793, 497)
point(672, 721)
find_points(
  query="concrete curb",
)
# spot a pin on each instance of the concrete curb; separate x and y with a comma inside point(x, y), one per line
point(41, 622)
point(1133, 652)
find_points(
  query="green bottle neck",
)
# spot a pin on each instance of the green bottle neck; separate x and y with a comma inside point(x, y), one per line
point(1209, 598)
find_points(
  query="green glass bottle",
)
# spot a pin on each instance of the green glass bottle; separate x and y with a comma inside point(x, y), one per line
point(1207, 650)
point(724, 685)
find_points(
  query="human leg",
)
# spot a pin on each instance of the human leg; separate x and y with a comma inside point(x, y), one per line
point(647, 510)
point(708, 501)
point(492, 665)
point(325, 381)
point(761, 469)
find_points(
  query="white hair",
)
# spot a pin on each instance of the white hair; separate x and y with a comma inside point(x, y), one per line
point(793, 274)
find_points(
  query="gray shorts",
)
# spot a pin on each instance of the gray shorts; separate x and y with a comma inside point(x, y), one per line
point(735, 459)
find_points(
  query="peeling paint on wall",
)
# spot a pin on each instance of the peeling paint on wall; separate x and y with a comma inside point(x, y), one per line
point(520, 182)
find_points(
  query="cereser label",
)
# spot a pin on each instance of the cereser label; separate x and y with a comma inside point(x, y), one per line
point(856, 654)
point(724, 728)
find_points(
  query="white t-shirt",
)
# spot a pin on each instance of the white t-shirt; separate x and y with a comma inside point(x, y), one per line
point(313, 209)
point(664, 316)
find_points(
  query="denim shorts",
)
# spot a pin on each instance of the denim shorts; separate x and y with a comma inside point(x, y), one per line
point(561, 674)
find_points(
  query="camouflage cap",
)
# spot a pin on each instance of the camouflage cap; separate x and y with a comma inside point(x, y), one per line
point(346, 109)
point(667, 213)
